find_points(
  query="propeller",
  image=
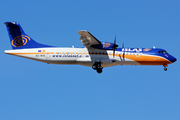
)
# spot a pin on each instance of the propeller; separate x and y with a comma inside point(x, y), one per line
point(120, 57)
point(123, 53)
point(114, 46)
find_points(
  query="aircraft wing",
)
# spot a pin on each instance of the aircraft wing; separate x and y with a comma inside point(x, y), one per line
point(88, 40)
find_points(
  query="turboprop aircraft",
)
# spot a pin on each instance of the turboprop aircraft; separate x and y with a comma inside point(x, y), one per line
point(96, 54)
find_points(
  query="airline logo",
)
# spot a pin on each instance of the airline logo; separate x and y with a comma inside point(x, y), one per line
point(136, 49)
point(20, 41)
point(106, 45)
point(132, 49)
point(146, 49)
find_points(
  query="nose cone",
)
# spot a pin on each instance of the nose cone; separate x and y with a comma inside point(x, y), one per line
point(173, 59)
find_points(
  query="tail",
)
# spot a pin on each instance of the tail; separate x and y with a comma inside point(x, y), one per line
point(19, 39)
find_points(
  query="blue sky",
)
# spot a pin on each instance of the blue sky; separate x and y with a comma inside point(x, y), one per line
point(30, 90)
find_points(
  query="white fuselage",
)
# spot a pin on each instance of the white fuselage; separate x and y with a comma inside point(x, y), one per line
point(81, 56)
point(96, 54)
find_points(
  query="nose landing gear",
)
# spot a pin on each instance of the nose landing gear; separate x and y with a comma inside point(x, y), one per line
point(165, 67)
point(97, 66)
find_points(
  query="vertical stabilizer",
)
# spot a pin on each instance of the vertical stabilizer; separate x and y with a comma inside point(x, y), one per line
point(19, 39)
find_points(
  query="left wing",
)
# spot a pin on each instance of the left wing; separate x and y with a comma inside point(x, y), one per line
point(88, 40)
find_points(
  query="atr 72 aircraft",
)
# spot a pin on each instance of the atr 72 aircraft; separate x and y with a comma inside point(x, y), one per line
point(96, 54)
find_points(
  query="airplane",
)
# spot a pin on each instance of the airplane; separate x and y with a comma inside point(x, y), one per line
point(95, 54)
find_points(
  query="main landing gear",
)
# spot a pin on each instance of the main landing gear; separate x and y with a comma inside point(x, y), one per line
point(165, 67)
point(97, 66)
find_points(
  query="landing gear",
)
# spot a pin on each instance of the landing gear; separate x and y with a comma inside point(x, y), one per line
point(94, 66)
point(99, 70)
point(97, 66)
point(165, 67)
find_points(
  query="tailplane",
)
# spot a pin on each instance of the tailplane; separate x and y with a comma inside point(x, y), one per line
point(19, 39)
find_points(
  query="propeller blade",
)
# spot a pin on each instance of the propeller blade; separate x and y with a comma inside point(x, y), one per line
point(114, 46)
point(115, 40)
point(113, 52)
point(123, 55)
point(123, 51)
point(120, 57)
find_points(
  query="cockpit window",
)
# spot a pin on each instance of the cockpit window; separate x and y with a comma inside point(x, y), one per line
point(163, 51)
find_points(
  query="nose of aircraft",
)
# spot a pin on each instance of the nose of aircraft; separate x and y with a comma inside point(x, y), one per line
point(173, 59)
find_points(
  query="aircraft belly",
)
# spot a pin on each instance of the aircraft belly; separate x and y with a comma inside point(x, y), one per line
point(62, 62)
point(32, 57)
point(127, 61)
point(84, 61)
point(49, 60)
point(105, 62)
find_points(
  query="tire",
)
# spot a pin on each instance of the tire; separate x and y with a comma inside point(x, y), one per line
point(94, 67)
point(99, 70)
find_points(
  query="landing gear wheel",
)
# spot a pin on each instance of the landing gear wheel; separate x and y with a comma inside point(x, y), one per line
point(97, 66)
point(94, 67)
point(165, 69)
point(99, 70)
